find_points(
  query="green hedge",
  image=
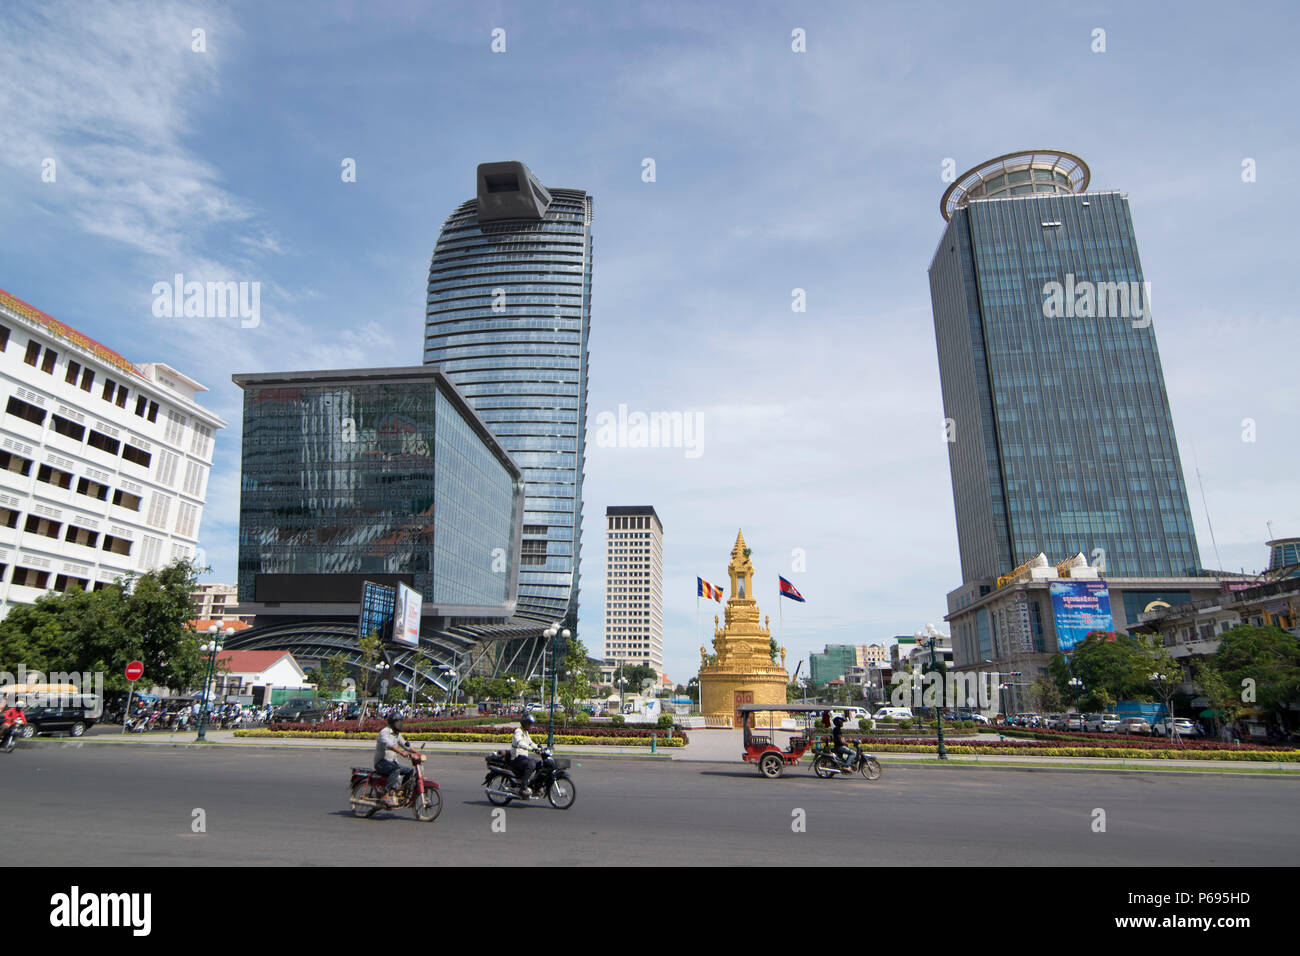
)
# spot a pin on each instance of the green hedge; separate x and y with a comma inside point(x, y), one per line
point(565, 739)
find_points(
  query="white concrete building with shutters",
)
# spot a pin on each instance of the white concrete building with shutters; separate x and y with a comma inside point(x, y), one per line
point(103, 463)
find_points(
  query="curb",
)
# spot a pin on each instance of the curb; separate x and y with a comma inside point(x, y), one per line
point(309, 748)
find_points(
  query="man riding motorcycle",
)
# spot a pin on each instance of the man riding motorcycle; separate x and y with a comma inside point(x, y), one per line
point(390, 738)
point(523, 765)
point(837, 739)
point(14, 718)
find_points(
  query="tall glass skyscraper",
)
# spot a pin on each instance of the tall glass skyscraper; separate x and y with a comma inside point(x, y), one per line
point(1061, 439)
point(508, 316)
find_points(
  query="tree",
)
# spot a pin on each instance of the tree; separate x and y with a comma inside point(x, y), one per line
point(635, 675)
point(1118, 668)
point(1224, 700)
point(773, 649)
point(330, 678)
point(1267, 656)
point(372, 651)
point(578, 675)
point(144, 618)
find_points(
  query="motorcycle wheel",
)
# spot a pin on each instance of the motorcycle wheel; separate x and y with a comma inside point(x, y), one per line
point(497, 793)
point(363, 791)
point(426, 806)
point(824, 766)
point(29, 730)
point(870, 768)
point(561, 793)
point(9, 742)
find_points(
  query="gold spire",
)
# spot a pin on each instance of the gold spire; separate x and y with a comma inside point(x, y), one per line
point(740, 546)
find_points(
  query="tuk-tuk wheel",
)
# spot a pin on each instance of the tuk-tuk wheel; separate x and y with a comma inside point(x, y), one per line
point(771, 765)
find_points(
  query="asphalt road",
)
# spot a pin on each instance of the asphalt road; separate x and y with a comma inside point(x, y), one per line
point(89, 805)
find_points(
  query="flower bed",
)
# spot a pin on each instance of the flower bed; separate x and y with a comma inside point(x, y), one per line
point(467, 738)
point(413, 727)
point(1142, 741)
point(1006, 748)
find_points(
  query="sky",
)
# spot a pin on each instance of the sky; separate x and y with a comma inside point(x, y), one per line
point(220, 155)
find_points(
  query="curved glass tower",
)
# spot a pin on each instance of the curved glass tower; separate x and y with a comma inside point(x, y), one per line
point(507, 320)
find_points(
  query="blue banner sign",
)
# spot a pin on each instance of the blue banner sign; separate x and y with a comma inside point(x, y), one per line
point(1080, 608)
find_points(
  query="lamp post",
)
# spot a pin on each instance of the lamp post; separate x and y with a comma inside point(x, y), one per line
point(552, 633)
point(938, 711)
point(1076, 686)
point(211, 648)
point(1166, 698)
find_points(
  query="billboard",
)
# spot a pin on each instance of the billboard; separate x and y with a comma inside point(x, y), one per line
point(1080, 607)
point(376, 616)
point(406, 618)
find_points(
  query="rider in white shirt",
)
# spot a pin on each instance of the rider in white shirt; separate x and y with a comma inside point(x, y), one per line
point(521, 746)
point(390, 738)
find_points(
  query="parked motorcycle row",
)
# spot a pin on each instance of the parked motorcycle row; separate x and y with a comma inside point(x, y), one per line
point(423, 796)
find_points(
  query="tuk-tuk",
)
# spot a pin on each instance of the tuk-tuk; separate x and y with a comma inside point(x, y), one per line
point(771, 759)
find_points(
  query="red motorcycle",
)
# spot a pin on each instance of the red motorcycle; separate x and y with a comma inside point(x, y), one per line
point(366, 792)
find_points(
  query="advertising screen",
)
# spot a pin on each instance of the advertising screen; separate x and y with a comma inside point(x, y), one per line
point(406, 620)
point(1080, 607)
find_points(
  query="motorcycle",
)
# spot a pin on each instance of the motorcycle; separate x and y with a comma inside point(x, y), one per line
point(828, 764)
point(12, 731)
point(551, 780)
point(423, 797)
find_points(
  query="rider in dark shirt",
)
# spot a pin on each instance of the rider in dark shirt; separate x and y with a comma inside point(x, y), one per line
point(837, 738)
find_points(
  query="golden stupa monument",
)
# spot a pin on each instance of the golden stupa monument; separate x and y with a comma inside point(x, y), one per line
point(743, 671)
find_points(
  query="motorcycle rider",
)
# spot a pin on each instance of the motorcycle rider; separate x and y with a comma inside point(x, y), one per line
point(13, 719)
point(390, 738)
point(837, 738)
point(521, 745)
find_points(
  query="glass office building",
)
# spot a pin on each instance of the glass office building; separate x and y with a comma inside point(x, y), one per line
point(1061, 438)
point(378, 474)
point(508, 316)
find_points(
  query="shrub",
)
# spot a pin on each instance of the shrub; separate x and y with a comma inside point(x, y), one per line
point(617, 720)
point(864, 724)
point(666, 721)
point(906, 724)
point(581, 720)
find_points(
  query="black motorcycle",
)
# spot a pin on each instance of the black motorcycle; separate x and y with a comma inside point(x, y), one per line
point(551, 780)
point(829, 764)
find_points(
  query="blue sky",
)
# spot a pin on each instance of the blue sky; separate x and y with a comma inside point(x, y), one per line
point(775, 170)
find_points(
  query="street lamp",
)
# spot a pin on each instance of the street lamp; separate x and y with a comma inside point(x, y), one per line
point(938, 711)
point(552, 633)
point(1076, 686)
point(1163, 688)
point(211, 648)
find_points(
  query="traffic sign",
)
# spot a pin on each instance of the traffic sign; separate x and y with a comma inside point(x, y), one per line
point(134, 671)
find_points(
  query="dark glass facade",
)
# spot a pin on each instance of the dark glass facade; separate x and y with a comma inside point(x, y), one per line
point(1061, 435)
point(508, 316)
point(382, 472)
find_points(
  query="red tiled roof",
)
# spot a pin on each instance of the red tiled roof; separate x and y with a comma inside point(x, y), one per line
point(250, 662)
point(202, 626)
point(64, 331)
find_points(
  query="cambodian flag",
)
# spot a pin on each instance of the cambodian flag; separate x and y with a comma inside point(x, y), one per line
point(704, 589)
point(790, 591)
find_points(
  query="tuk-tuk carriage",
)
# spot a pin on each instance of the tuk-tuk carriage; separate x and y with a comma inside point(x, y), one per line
point(771, 759)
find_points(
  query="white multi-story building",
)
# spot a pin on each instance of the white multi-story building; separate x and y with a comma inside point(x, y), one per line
point(216, 602)
point(103, 464)
point(634, 587)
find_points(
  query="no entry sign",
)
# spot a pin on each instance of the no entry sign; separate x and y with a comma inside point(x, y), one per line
point(134, 671)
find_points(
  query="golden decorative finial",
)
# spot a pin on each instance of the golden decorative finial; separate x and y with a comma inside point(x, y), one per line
point(783, 658)
point(704, 656)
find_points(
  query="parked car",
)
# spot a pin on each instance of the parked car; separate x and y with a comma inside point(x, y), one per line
point(301, 710)
point(1182, 727)
point(75, 718)
point(1102, 723)
point(893, 713)
point(1134, 725)
point(1074, 722)
point(1053, 721)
